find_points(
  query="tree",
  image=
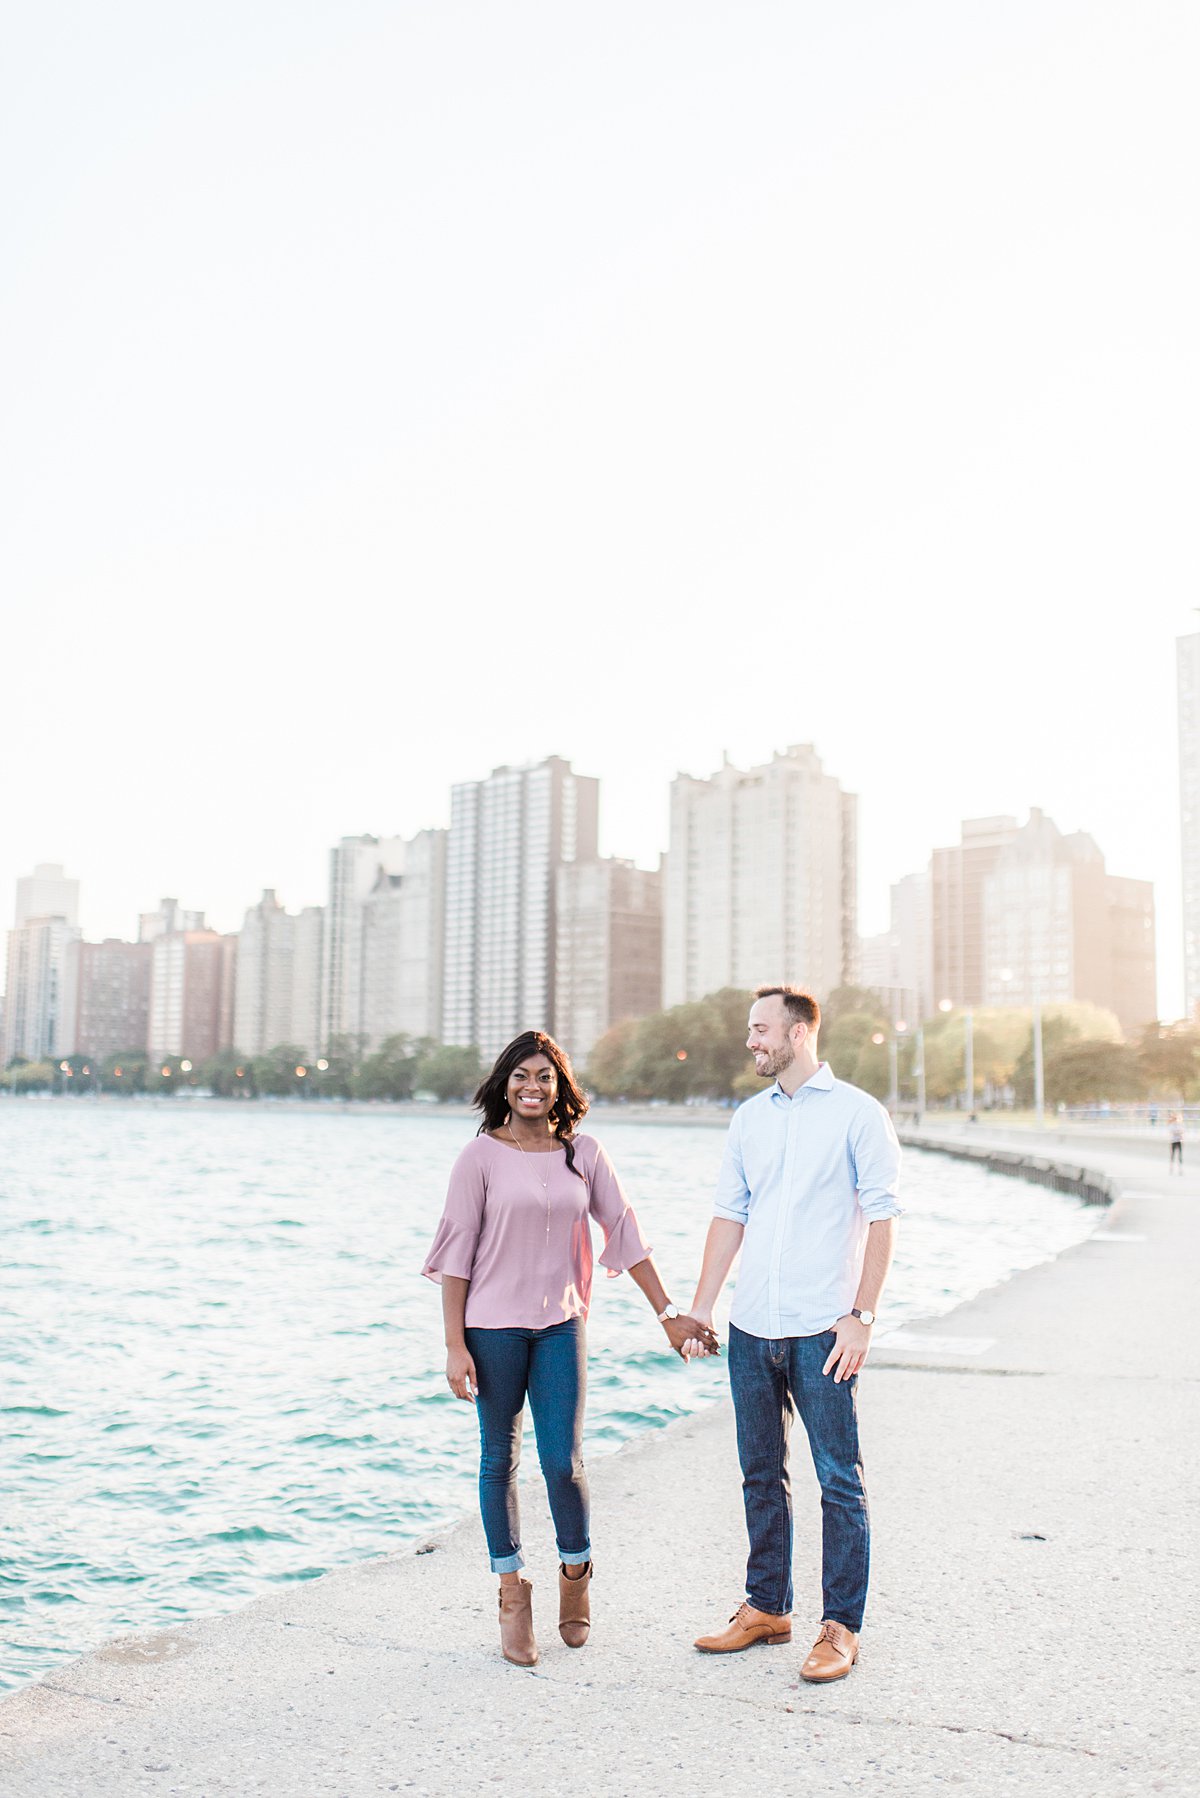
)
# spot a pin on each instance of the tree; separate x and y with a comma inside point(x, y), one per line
point(125, 1073)
point(80, 1074)
point(230, 1075)
point(390, 1073)
point(166, 1074)
point(1168, 1056)
point(608, 1064)
point(1080, 1072)
point(845, 1043)
point(342, 1059)
point(23, 1076)
point(276, 1072)
point(449, 1072)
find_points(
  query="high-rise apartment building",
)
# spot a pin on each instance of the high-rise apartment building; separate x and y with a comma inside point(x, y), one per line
point(760, 879)
point(262, 1016)
point(170, 917)
point(308, 944)
point(382, 955)
point(106, 1003)
point(509, 835)
point(192, 985)
point(1057, 927)
point(47, 893)
point(1132, 941)
point(956, 883)
point(1187, 668)
point(46, 922)
point(403, 925)
point(354, 867)
point(37, 952)
point(608, 962)
point(898, 964)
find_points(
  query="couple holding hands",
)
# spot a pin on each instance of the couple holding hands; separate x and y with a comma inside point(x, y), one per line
point(806, 1195)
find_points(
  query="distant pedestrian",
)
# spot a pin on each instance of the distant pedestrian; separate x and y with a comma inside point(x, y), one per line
point(1175, 1126)
point(513, 1256)
point(807, 1196)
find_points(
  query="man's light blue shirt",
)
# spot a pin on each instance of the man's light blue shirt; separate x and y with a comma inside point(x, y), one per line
point(807, 1176)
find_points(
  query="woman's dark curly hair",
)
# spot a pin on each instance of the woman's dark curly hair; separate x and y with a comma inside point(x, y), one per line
point(569, 1103)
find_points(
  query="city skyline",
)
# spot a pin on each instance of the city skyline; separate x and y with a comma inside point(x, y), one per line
point(469, 934)
point(382, 851)
point(726, 388)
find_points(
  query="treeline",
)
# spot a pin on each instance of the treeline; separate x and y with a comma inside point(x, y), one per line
point(698, 1051)
point(401, 1067)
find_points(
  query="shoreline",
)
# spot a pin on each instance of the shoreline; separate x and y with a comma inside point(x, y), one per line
point(1009, 1564)
point(614, 1111)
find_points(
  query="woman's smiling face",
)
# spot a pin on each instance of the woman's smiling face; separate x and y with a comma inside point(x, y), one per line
point(533, 1088)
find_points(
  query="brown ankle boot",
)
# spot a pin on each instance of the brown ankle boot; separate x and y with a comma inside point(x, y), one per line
point(516, 1624)
point(574, 1606)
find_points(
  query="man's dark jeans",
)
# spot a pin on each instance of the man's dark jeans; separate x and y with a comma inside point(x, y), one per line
point(769, 1380)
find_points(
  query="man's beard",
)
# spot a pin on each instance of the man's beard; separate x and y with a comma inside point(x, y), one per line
point(778, 1062)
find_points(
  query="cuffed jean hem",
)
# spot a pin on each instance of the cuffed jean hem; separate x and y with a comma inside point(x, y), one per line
point(507, 1563)
point(580, 1559)
point(854, 1628)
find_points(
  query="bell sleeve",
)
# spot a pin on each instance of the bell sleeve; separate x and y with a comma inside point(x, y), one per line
point(624, 1244)
point(454, 1245)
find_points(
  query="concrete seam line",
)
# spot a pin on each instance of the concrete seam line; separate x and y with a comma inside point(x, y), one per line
point(91, 1697)
point(858, 1719)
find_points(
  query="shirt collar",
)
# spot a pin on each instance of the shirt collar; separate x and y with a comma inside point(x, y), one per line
point(821, 1082)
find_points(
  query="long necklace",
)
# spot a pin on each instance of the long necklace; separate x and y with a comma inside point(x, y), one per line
point(544, 1184)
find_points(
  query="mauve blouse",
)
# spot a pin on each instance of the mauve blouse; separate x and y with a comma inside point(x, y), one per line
point(525, 1248)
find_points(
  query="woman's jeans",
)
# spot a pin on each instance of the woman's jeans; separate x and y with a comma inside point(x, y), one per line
point(551, 1367)
point(768, 1380)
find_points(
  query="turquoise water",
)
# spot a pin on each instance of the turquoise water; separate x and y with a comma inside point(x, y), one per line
point(222, 1371)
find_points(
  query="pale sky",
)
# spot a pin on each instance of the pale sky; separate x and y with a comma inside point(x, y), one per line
point(390, 391)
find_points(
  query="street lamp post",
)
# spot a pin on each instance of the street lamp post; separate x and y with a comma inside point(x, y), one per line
point(899, 1028)
point(947, 1005)
point(1039, 1061)
point(969, 1056)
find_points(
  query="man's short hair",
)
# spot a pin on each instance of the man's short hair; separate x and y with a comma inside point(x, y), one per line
point(800, 1006)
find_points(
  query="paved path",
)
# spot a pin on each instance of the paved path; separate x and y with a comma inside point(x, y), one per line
point(1033, 1466)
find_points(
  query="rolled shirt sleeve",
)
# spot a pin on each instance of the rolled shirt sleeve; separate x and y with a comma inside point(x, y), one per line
point(733, 1194)
point(624, 1244)
point(876, 1151)
point(454, 1245)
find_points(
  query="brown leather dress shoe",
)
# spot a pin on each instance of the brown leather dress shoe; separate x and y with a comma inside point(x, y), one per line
point(746, 1627)
point(516, 1624)
point(832, 1655)
point(574, 1605)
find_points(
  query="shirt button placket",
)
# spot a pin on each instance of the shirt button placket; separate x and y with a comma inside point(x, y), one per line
point(781, 1206)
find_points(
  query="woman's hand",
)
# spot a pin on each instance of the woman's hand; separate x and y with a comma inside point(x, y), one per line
point(689, 1337)
point(698, 1345)
point(460, 1373)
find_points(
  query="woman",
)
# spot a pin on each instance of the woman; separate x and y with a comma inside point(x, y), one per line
point(513, 1254)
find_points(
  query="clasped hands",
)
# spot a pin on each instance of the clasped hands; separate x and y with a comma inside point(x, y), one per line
point(691, 1337)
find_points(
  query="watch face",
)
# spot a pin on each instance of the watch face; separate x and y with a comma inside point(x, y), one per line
point(866, 1317)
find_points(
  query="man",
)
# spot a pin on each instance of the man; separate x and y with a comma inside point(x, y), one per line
point(807, 1193)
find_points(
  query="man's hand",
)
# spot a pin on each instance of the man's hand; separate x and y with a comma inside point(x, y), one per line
point(850, 1350)
point(688, 1336)
point(460, 1373)
point(701, 1339)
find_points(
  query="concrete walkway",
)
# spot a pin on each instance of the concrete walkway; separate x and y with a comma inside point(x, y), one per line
point(1033, 1466)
